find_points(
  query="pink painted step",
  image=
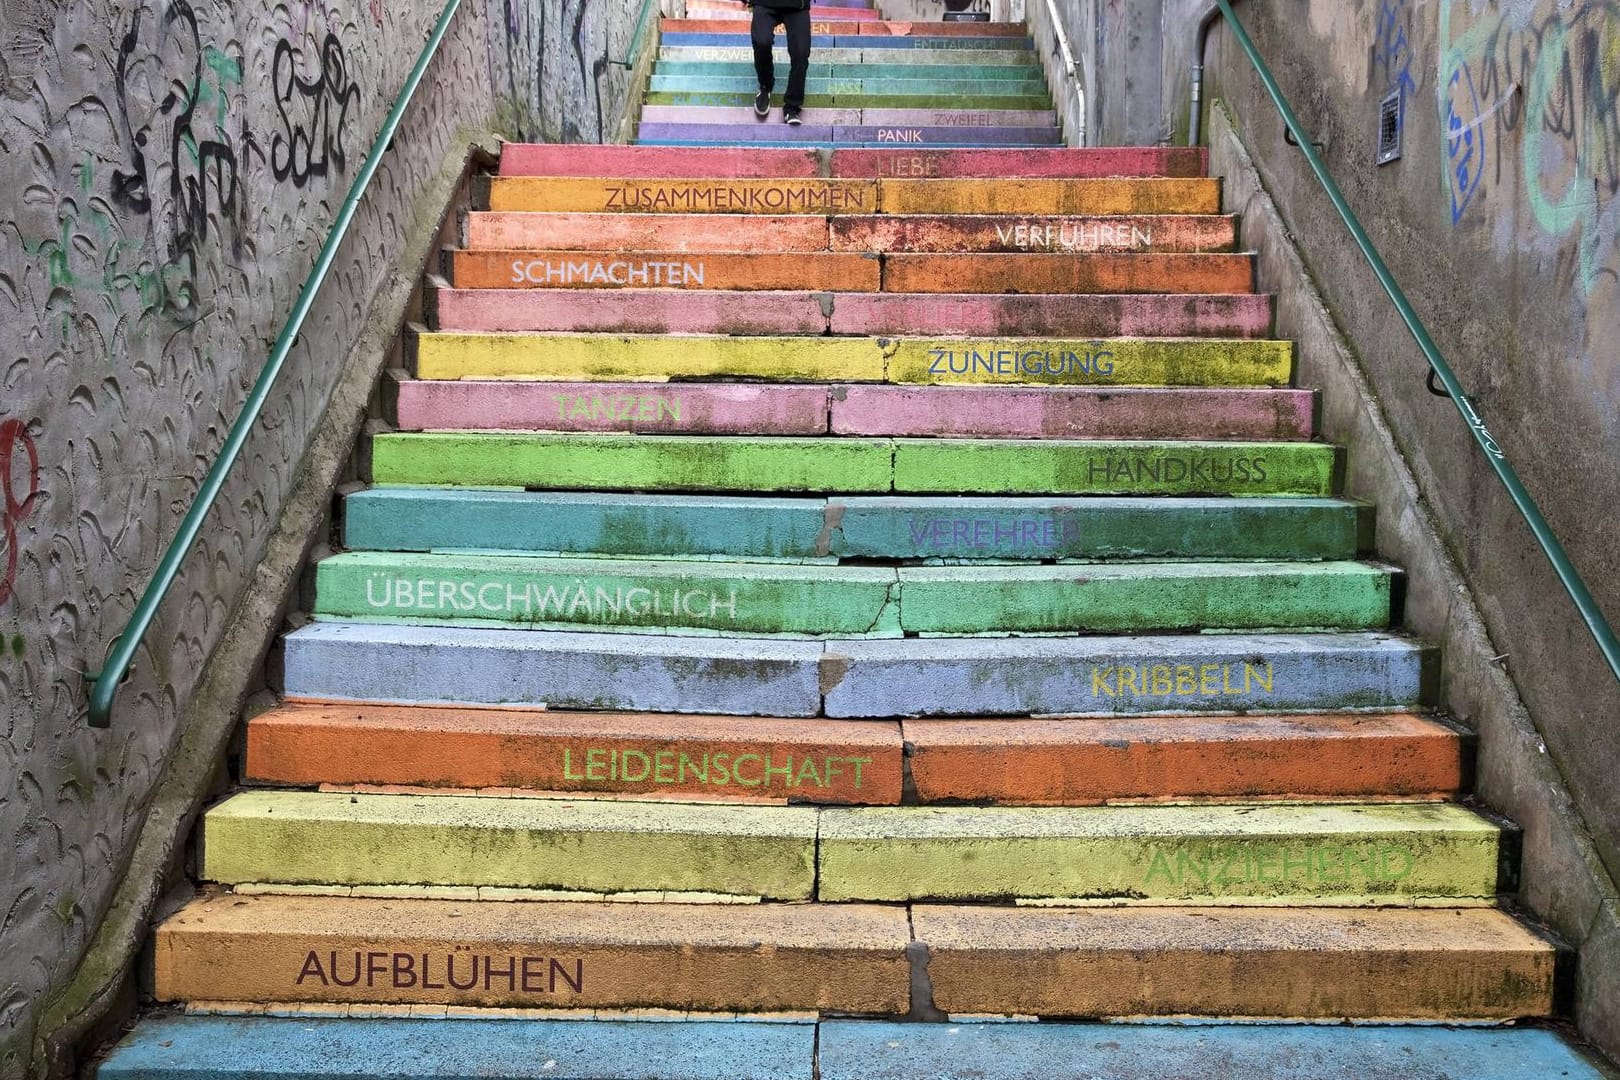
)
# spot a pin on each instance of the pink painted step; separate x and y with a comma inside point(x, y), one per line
point(721, 408)
point(1085, 163)
point(1020, 412)
point(647, 162)
point(497, 230)
point(685, 408)
point(678, 311)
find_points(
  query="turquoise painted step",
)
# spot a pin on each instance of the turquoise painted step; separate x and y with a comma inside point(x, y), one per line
point(886, 59)
point(882, 85)
point(741, 676)
point(856, 1050)
point(721, 463)
point(322, 1048)
point(884, 96)
point(895, 527)
point(966, 75)
point(744, 597)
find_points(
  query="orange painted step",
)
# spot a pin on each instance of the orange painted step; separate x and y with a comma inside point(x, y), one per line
point(643, 232)
point(403, 951)
point(814, 761)
point(664, 270)
point(1088, 761)
point(1106, 272)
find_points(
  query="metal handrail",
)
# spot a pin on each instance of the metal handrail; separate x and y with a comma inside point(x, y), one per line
point(123, 654)
point(1072, 66)
point(1601, 632)
point(633, 52)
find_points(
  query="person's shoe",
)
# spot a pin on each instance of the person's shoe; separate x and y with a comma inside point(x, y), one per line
point(791, 116)
point(762, 104)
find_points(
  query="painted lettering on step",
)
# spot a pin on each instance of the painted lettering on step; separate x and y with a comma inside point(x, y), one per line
point(468, 972)
point(1028, 533)
point(1182, 680)
point(1188, 469)
point(588, 272)
point(900, 135)
point(618, 408)
point(1074, 235)
point(1020, 362)
point(964, 119)
point(779, 197)
point(1214, 867)
point(754, 769)
point(569, 601)
point(908, 166)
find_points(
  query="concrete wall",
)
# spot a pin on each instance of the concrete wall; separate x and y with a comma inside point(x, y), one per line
point(172, 169)
point(1502, 221)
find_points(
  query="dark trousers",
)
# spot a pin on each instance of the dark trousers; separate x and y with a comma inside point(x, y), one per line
point(797, 25)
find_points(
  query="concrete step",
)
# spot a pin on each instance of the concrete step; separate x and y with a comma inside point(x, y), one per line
point(1009, 762)
point(909, 31)
point(337, 661)
point(785, 598)
point(586, 160)
point(1080, 762)
point(875, 95)
point(743, 408)
point(1265, 854)
point(723, 118)
point(907, 81)
point(1071, 162)
point(763, 133)
point(956, 74)
point(972, 56)
point(780, 233)
point(889, 195)
point(846, 958)
point(494, 1048)
point(470, 841)
point(853, 465)
point(818, 13)
point(653, 357)
point(842, 40)
point(1309, 963)
point(1100, 272)
point(671, 311)
point(438, 519)
point(645, 754)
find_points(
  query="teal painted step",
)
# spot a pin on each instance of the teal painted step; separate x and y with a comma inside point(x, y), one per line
point(895, 527)
point(745, 597)
point(322, 1048)
point(883, 98)
point(955, 73)
point(750, 676)
point(397, 1048)
point(853, 465)
point(883, 59)
point(876, 85)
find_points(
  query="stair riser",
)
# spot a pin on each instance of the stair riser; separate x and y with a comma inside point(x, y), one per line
point(1002, 467)
point(842, 39)
point(626, 754)
point(848, 600)
point(659, 311)
point(410, 519)
point(699, 134)
point(725, 119)
point(747, 409)
point(971, 59)
point(901, 81)
point(852, 678)
point(957, 74)
point(875, 28)
point(824, 197)
point(1122, 362)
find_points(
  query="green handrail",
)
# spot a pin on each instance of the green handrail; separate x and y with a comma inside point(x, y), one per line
point(1595, 622)
point(117, 666)
point(642, 22)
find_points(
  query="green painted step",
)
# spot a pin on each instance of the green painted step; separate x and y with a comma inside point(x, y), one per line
point(611, 593)
point(720, 463)
point(867, 58)
point(882, 527)
point(867, 100)
point(747, 597)
point(865, 83)
point(954, 73)
point(338, 839)
point(1402, 853)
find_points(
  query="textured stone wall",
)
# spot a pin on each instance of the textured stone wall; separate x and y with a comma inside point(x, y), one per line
point(170, 171)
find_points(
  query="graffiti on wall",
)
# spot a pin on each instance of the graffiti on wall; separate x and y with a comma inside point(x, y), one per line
point(1530, 98)
point(19, 488)
point(1392, 49)
point(315, 113)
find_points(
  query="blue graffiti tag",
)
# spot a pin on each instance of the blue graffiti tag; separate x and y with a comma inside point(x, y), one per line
point(1465, 141)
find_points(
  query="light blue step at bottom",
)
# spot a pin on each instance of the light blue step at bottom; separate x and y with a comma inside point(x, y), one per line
point(234, 1048)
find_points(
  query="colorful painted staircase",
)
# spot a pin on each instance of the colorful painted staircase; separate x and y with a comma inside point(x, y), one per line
point(822, 601)
point(872, 82)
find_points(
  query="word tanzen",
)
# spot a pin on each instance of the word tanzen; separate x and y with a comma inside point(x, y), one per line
point(386, 594)
point(778, 198)
point(750, 770)
point(625, 408)
point(1181, 680)
point(602, 272)
point(1219, 866)
point(466, 972)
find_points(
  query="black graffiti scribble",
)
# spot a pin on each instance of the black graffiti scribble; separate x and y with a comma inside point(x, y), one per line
point(202, 172)
point(15, 442)
point(312, 145)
